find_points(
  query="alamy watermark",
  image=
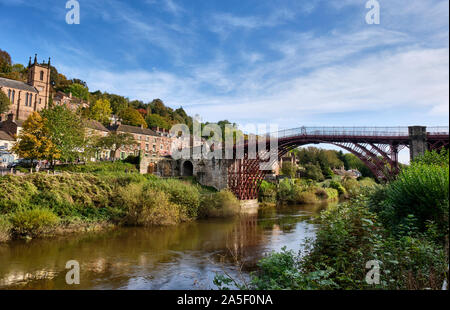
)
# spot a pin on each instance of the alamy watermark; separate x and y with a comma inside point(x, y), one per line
point(73, 15)
point(373, 16)
point(73, 275)
point(373, 276)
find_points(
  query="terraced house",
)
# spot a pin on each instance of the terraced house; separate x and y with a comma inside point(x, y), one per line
point(149, 143)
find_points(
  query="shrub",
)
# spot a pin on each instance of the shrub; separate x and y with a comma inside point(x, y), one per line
point(423, 191)
point(181, 193)
point(219, 204)
point(306, 198)
point(285, 190)
point(352, 187)
point(33, 223)
point(5, 229)
point(338, 186)
point(97, 167)
point(267, 192)
point(331, 193)
point(147, 206)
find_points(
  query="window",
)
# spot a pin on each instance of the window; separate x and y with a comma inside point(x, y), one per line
point(26, 99)
point(13, 95)
point(146, 147)
point(42, 75)
point(146, 139)
point(9, 94)
point(154, 148)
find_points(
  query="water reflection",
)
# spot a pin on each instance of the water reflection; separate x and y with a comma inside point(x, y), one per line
point(182, 257)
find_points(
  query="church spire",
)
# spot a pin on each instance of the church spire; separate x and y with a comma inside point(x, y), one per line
point(29, 62)
point(35, 59)
point(49, 62)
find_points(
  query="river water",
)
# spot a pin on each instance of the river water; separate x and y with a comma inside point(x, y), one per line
point(186, 256)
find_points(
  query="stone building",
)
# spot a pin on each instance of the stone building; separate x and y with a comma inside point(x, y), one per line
point(149, 143)
point(73, 103)
point(30, 96)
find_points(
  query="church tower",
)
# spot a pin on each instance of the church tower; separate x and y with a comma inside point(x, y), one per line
point(39, 77)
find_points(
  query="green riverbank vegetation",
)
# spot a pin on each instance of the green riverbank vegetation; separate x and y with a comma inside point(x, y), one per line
point(97, 195)
point(401, 226)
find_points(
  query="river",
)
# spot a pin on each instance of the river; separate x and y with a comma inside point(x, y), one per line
point(186, 256)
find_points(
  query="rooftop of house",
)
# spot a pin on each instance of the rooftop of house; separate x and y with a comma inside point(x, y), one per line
point(5, 136)
point(96, 125)
point(17, 85)
point(133, 129)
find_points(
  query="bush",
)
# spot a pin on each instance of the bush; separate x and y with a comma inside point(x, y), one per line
point(306, 198)
point(219, 204)
point(267, 192)
point(5, 229)
point(338, 186)
point(97, 167)
point(147, 206)
point(423, 191)
point(33, 223)
point(332, 194)
point(181, 193)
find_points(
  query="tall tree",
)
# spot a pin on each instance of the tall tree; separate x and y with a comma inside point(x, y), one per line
point(34, 140)
point(132, 117)
point(5, 103)
point(101, 111)
point(65, 129)
point(78, 91)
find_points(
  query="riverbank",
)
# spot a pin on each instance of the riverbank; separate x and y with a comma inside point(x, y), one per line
point(392, 236)
point(102, 195)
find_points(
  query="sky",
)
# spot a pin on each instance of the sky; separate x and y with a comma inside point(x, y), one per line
point(289, 62)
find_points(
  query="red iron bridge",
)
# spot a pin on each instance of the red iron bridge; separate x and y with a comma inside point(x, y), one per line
point(377, 147)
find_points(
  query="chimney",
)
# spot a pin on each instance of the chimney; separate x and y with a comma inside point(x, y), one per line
point(70, 95)
point(142, 126)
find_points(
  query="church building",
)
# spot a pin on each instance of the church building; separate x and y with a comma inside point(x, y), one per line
point(30, 96)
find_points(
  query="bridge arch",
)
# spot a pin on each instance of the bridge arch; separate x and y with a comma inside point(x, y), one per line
point(187, 168)
point(376, 147)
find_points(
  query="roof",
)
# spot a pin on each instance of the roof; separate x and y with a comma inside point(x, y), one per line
point(134, 129)
point(17, 85)
point(96, 125)
point(6, 137)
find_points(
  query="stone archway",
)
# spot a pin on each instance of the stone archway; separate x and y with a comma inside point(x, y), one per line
point(187, 169)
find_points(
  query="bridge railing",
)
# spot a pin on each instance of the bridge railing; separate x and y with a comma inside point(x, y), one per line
point(438, 130)
point(355, 131)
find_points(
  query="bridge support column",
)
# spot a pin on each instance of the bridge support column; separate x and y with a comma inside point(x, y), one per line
point(417, 141)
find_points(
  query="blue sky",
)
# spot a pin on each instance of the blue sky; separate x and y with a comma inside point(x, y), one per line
point(313, 63)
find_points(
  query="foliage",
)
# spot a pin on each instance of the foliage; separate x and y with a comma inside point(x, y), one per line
point(5, 103)
point(288, 169)
point(147, 206)
point(219, 204)
point(78, 90)
point(99, 167)
point(132, 117)
point(33, 141)
point(434, 158)
point(66, 132)
point(313, 172)
point(5, 229)
point(338, 186)
point(267, 192)
point(115, 140)
point(423, 191)
point(101, 111)
point(155, 120)
point(33, 222)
